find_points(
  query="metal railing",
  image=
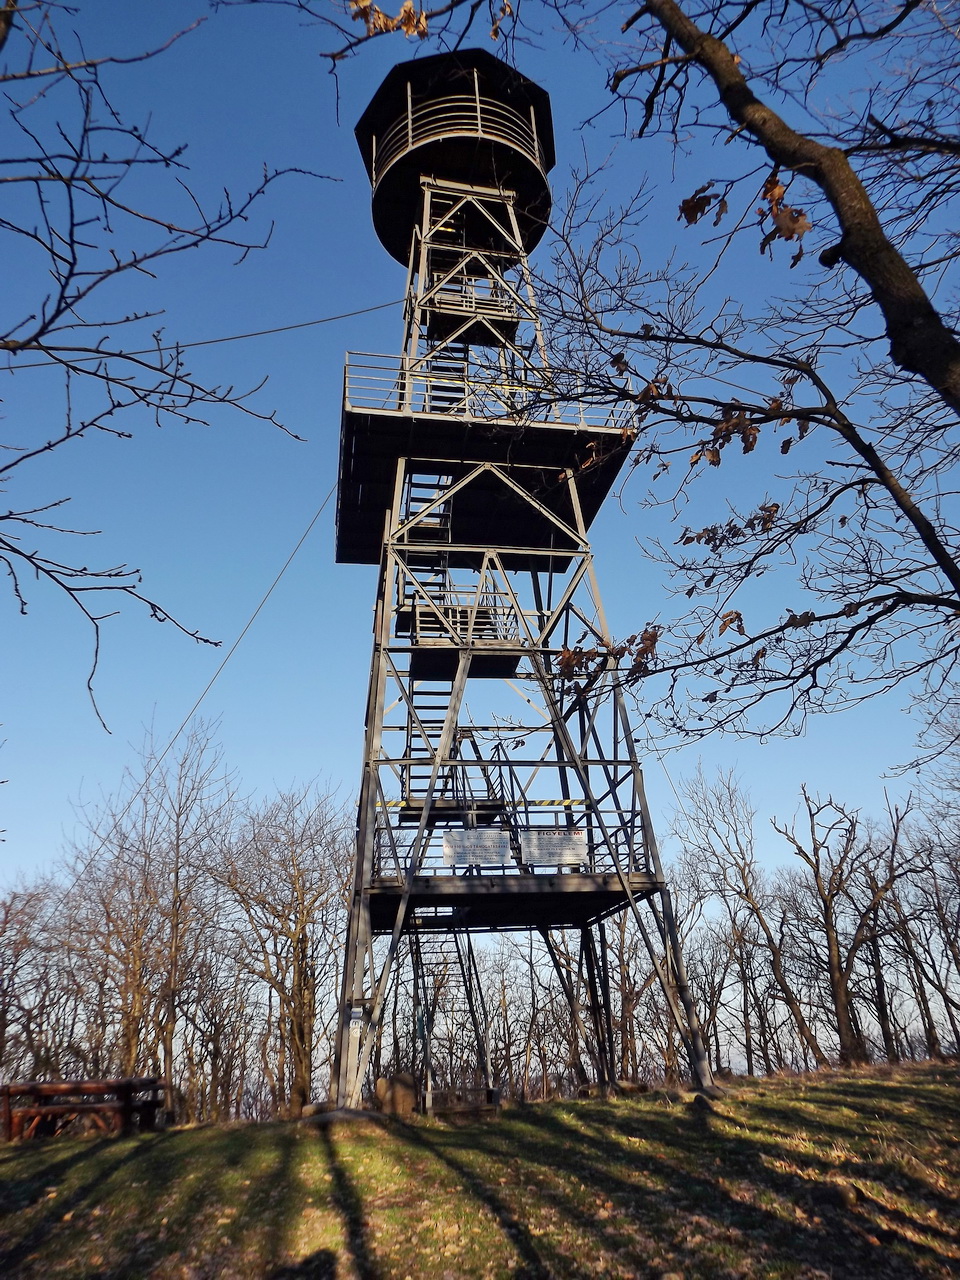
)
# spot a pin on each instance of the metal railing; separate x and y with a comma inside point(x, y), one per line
point(461, 115)
point(477, 296)
point(386, 384)
point(452, 620)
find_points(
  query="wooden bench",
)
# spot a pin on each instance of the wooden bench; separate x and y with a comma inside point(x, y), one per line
point(45, 1108)
point(465, 1101)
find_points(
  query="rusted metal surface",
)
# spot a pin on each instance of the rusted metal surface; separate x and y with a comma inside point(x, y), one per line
point(45, 1108)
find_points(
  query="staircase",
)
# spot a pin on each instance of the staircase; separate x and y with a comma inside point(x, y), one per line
point(430, 700)
point(451, 1011)
point(447, 379)
point(423, 489)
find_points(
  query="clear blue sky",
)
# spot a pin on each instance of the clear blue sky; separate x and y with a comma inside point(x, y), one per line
point(210, 514)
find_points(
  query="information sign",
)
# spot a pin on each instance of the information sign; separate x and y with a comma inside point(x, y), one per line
point(488, 848)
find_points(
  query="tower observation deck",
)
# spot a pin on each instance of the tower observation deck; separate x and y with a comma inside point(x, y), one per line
point(498, 792)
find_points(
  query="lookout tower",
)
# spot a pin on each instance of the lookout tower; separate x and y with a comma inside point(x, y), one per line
point(501, 788)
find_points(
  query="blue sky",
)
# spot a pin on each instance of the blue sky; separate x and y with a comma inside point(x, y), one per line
point(210, 514)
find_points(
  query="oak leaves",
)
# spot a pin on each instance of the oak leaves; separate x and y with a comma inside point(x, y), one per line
point(787, 222)
point(410, 20)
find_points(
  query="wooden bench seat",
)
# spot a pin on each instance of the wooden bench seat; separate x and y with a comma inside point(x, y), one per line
point(45, 1108)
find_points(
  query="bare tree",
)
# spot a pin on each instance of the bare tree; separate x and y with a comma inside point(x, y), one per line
point(140, 903)
point(187, 936)
point(92, 201)
point(923, 918)
point(716, 828)
point(21, 959)
point(284, 870)
point(836, 899)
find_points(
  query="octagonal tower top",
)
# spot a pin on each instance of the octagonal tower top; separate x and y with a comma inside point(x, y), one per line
point(461, 117)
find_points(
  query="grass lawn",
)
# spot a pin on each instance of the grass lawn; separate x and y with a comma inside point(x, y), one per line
point(835, 1175)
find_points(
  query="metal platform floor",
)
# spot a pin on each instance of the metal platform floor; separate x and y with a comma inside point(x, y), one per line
point(497, 902)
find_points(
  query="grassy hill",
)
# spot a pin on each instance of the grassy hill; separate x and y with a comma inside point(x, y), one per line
point(835, 1175)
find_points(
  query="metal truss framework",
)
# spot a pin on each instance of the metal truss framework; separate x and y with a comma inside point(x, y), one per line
point(500, 789)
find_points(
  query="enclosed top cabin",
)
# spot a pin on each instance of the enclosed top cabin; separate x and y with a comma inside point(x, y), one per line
point(463, 117)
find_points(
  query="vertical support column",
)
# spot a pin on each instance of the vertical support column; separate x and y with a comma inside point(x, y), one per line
point(354, 1010)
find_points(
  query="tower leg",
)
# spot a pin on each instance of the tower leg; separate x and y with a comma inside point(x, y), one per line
point(599, 1010)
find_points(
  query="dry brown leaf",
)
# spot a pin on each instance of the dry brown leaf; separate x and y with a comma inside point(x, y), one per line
point(768, 514)
point(732, 618)
point(694, 207)
point(506, 11)
point(791, 222)
point(410, 20)
point(788, 223)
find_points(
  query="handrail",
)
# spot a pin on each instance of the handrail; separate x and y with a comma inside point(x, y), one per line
point(382, 383)
point(459, 115)
point(450, 622)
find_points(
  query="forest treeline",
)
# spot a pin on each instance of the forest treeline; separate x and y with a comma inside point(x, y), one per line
point(197, 936)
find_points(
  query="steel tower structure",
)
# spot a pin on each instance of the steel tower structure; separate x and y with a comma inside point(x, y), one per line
point(500, 789)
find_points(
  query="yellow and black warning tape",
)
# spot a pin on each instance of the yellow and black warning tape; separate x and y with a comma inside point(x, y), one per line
point(520, 804)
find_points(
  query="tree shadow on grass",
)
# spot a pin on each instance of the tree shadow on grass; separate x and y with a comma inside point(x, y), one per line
point(707, 1171)
point(533, 1267)
point(859, 1155)
point(653, 1189)
point(899, 1103)
point(349, 1204)
point(321, 1265)
point(36, 1173)
point(174, 1200)
point(59, 1207)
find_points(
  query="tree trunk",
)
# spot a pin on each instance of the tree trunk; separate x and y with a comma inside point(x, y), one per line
point(851, 1047)
point(880, 987)
point(747, 1023)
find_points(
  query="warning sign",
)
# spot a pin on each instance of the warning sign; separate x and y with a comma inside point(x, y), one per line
point(552, 847)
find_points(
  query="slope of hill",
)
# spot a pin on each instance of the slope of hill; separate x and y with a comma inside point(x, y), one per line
point(834, 1175)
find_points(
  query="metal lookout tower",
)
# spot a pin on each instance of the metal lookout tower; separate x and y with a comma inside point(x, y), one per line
point(500, 790)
